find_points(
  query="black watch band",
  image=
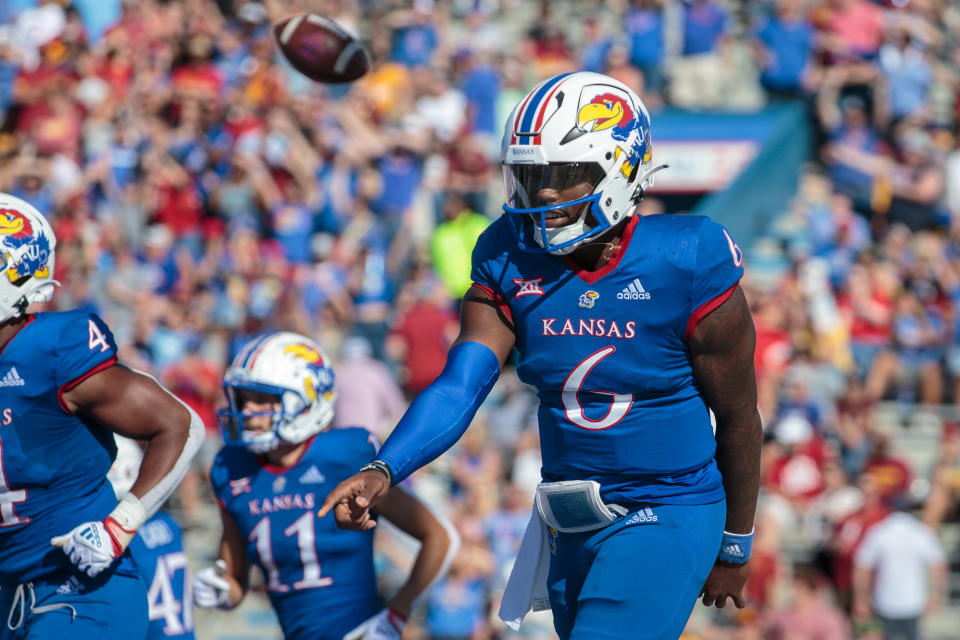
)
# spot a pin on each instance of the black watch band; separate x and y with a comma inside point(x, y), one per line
point(381, 466)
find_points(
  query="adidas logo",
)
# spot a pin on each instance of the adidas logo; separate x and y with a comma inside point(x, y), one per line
point(644, 515)
point(71, 585)
point(733, 550)
point(12, 379)
point(90, 534)
point(634, 291)
point(313, 476)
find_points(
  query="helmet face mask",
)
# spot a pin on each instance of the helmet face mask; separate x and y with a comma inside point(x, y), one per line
point(574, 129)
point(27, 245)
point(279, 389)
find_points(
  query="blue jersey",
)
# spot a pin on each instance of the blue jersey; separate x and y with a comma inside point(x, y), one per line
point(607, 353)
point(158, 551)
point(53, 464)
point(320, 579)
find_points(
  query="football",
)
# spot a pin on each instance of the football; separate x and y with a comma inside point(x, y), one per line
point(321, 49)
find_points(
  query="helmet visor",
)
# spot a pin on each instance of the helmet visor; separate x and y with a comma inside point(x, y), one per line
point(534, 185)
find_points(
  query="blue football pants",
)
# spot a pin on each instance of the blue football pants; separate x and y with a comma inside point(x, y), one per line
point(636, 578)
point(111, 606)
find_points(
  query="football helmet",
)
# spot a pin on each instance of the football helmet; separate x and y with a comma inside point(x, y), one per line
point(26, 254)
point(291, 367)
point(575, 129)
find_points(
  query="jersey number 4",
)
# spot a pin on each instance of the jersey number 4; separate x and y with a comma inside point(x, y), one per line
point(162, 598)
point(97, 339)
point(8, 498)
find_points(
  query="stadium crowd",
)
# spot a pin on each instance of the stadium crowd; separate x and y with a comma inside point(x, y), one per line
point(202, 191)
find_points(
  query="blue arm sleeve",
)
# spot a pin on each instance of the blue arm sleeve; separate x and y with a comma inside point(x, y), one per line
point(442, 412)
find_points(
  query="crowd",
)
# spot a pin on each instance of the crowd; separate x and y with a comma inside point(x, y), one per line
point(202, 191)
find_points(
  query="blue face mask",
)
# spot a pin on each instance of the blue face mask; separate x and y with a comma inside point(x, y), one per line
point(531, 189)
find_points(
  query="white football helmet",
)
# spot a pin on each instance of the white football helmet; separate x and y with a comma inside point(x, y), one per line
point(27, 245)
point(291, 367)
point(575, 128)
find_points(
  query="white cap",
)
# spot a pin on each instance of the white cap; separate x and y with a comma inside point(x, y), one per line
point(793, 429)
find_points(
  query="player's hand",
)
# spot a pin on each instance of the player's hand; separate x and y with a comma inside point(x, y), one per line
point(726, 580)
point(92, 546)
point(352, 499)
point(386, 625)
point(210, 588)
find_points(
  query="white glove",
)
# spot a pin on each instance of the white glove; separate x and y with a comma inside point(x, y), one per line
point(210, 588)
point(386, 625)
point(92, 546)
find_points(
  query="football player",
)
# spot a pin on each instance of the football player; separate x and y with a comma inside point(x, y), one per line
point(280, 459)
point(158, 552)
point(65, 570)
point(632, 329)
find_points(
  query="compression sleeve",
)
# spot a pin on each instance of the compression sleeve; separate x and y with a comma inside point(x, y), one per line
point(442, 412)
point(154, 498)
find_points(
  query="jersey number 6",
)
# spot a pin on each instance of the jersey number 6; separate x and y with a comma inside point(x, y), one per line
point(573, 385)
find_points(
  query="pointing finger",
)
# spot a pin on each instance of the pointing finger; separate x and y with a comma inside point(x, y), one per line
point(339, 494)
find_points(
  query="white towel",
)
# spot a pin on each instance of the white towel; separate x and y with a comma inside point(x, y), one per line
point(527, 586)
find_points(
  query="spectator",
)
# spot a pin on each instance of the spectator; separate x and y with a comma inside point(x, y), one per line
point(918, 340)
point(453, 241)
point(890, 473)
point(899, 574)
point(784, 44)
point(793, 473)
point(644, 24)
point(855, 153)
point(945, 486)
point(414, 35)
point(596, 46)
point(810, 615)
point(367, 395)
point(917, 183)
point(850, 532)
point(696, 78)
point(851, 30)
point(904, 61)
point(480, 85)
point(422, 333)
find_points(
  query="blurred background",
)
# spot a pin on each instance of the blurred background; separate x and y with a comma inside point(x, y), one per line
point(202, 191)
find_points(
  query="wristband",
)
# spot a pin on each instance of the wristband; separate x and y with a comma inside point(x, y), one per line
point(396, 620)
point(381, 466)
point(735, 547)
point(124, 520)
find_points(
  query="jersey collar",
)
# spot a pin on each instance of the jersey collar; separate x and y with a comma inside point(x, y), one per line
point(591, 277)
point(279, 470)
